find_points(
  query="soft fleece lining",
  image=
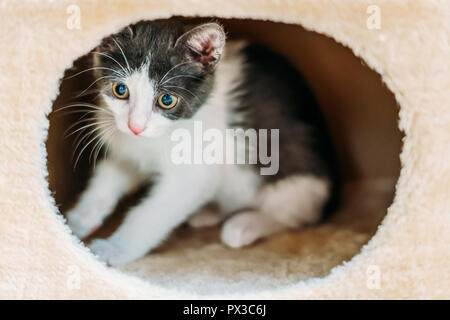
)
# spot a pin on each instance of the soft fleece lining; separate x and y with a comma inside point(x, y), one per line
point(39, 257)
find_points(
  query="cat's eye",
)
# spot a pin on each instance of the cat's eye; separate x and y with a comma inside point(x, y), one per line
point(120, 90)
point(167, 101)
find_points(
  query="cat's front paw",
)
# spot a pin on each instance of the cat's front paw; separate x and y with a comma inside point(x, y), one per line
point(81, 225)
point(109, 252)
point(205, 219)
point(241, 230)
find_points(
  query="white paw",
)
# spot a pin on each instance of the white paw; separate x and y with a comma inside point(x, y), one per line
point(109, 252)
point(82, 225)
point(206, 218)
point(241, 230)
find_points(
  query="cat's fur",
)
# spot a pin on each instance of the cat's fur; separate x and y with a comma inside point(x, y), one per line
point(234, 86)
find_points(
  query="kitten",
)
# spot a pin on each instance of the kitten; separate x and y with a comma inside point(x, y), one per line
point(160, 76)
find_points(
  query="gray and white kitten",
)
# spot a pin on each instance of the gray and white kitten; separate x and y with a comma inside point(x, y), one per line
point(163, 75)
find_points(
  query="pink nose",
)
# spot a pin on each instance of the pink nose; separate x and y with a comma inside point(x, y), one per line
point(135, 128)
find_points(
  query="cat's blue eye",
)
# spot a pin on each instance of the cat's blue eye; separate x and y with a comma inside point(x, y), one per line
point(120, 90)
point(167, 101)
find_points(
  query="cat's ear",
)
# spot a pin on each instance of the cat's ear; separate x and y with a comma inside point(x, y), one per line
point(202, 45)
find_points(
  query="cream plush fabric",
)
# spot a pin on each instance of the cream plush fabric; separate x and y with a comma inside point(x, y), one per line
point(40, 259)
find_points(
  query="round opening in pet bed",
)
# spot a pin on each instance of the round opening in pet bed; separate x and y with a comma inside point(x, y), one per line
point(361, 115)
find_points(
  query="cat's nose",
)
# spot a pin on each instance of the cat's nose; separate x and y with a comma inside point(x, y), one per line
point(136, 129)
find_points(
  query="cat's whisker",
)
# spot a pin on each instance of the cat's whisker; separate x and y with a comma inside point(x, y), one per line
point(123, 54)
point(108, 56)
point(80, 121)
point(94, 82)
point(99, 126)
point(97, 148)
point(173, 68)
point(87, 126)
point(108, 142)
point(181, 76)
point(86, 113)
point(84, 148)
point(76, 104)
point(83, 119)
point(185, 101)
point(89, 92)
point(106, 134)
point(82, 136)
point(91, 69)
point(88, 143)
point(89, 105)
point(98, 143)
point(85, 108)
point(187, 90)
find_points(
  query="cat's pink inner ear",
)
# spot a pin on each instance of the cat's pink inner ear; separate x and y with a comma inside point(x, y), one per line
point(206, 43)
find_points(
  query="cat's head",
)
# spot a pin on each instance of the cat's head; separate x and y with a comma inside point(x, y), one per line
point(152, 74)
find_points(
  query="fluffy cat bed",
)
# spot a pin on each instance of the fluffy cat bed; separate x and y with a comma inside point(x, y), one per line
point(408, 255)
